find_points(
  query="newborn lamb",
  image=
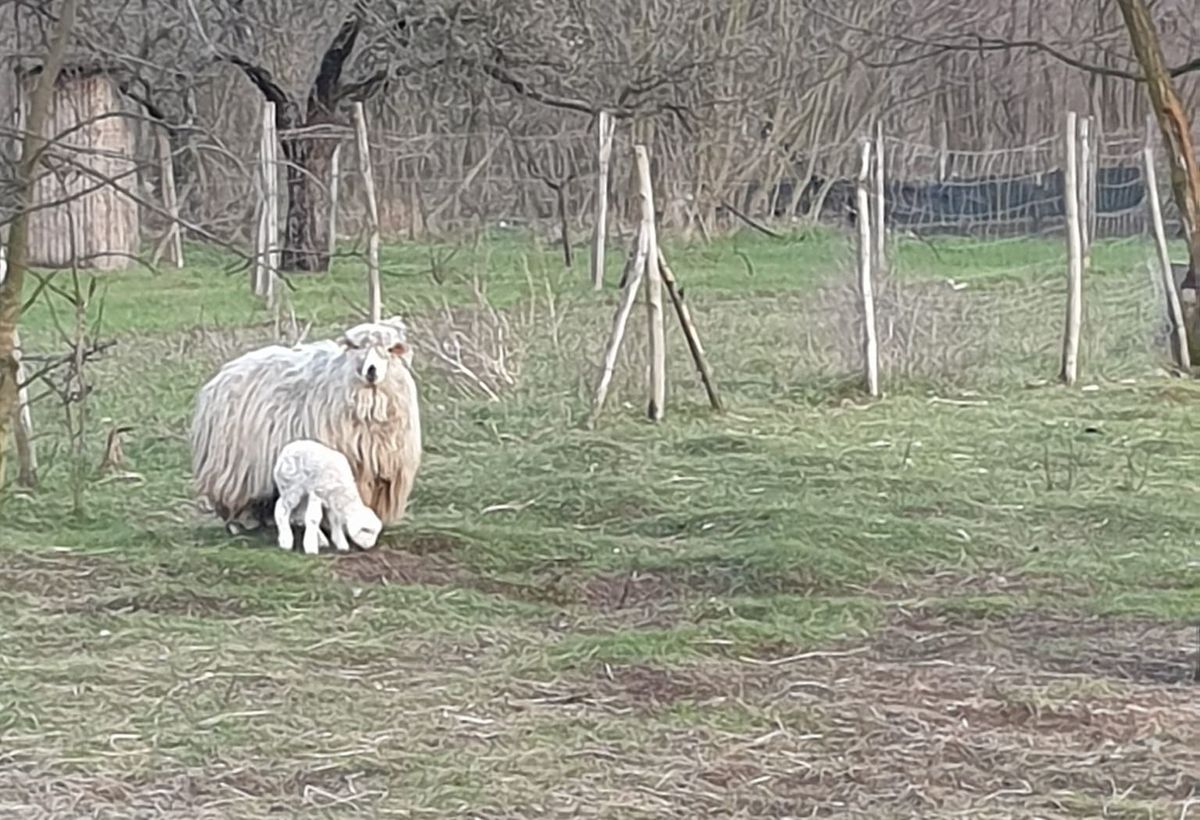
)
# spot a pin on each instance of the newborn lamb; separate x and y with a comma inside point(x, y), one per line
point(309, 469)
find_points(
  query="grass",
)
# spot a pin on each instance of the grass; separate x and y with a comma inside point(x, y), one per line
point(720, 615)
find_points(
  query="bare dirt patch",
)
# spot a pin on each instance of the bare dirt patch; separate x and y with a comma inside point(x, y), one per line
point(641, 589)
point(183, 602)
point(1022, 716)
point(391, 566)
point(55, 576)
point(1104, 648)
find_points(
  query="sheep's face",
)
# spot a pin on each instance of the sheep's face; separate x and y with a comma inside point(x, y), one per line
point(378, 347)
point(363, 527)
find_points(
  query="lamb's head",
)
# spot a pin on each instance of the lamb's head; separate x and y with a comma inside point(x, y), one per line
point(363, 525)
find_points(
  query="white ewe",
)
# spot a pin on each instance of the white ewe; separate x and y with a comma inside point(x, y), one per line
point(356, 395)
point(319, 476)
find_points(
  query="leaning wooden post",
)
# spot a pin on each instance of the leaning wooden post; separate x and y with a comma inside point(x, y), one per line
point(654, 309)
point(865, 285)
point(375, 291)
point(689, 332)
point(27, 462)
point(604, 131)
point(335, 171)
point(1070, 355)
point(1174, 310)
point(635, 268)
point(878, 205)
point(170, 195)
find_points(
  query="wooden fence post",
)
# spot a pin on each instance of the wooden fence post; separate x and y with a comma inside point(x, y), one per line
point(1085, 187)
point(944, 152)
point(258, 271)
point(879, 206)
point(1093, 184)
point(1070, 356)
point(375, 290)
point(604, 131)
point(1174, 311)
point(865, 284)
point(266, 265)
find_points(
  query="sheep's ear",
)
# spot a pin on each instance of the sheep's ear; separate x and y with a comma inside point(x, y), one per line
point(403, 351)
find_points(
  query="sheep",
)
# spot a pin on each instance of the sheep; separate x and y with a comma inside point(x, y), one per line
point(356, 394)
point(320, 477)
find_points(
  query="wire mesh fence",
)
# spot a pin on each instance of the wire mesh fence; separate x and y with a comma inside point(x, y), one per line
point(975, 294)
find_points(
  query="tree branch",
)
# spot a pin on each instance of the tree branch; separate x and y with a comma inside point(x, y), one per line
point(978, 42)
point(982, 43)
point(503, 76)
point(260, 77)
point(327, 88)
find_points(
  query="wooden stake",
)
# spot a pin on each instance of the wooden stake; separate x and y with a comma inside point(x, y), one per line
point(654, 309)
point(375, 291)
point(878, 206)
point(635, 269)
point(170, 196)
point(261, 244)
point(689, 332)
point(1070, 356)
point(604, 132)
point(1085, 204)
point(1174, 309)
point(335, 175)
point(269, 244)
point(865, 285)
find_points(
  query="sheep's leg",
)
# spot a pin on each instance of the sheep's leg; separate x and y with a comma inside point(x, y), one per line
point(312, 525)
point(283, 518)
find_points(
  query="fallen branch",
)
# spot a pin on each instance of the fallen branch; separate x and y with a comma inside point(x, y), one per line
point(753, 223)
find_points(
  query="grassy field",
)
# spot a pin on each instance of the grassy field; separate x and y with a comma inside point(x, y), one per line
point(974, 597)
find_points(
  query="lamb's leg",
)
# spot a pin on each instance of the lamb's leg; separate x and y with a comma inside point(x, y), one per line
point(283, 518)
point(322, 538)
point(312, 525)
point(337, 530)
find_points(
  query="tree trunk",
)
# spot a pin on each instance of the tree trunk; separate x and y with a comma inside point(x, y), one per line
point(309, 162)
point(1181, 153)
point(18, 232)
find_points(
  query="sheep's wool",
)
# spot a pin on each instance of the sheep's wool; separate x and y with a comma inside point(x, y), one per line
point(259, 402)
